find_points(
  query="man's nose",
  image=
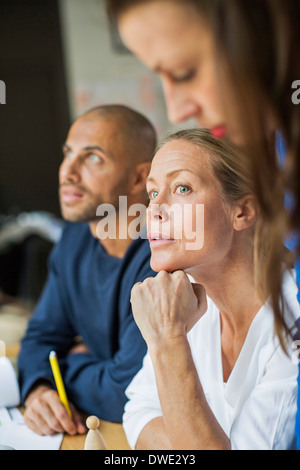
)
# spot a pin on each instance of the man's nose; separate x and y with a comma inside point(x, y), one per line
point(180, 105)
point(70, 171)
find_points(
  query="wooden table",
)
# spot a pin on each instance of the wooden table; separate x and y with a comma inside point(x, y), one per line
point(112, 433)
point(12, 350)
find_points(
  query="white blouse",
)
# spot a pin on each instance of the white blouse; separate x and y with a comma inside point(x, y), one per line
point(256, 407)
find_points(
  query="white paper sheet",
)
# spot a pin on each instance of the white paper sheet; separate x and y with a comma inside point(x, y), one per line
point(15, 433)
point(9, 387)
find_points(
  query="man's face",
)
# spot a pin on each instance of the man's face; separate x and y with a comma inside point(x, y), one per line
point(94, 169)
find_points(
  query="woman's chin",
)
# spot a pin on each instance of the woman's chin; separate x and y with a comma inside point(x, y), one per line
point(168, 266)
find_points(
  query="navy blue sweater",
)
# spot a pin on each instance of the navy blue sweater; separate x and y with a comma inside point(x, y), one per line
point(87, 294)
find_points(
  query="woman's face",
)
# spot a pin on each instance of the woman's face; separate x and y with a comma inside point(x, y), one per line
point(189, 224)
point(175, 42)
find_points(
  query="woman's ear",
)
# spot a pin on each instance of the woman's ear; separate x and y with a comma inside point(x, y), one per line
point(245, 212)
point(139, 176)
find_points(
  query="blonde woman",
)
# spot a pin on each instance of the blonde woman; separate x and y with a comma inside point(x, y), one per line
point(215, 376)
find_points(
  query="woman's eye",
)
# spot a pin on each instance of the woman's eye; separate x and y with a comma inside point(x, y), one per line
point(153, 194)
point(182, 189)
point(185, 77)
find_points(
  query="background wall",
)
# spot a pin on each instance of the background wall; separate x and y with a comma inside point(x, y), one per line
point(35, 118)
point(58, 59)
point(99, 71)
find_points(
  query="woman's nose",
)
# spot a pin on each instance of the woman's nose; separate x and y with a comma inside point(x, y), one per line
point(158, 212)
point(180, 105)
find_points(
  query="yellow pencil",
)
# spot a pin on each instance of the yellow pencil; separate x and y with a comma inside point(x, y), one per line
point(59, 381)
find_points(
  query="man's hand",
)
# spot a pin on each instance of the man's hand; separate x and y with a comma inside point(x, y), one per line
point(45, 414)
point(79, 348)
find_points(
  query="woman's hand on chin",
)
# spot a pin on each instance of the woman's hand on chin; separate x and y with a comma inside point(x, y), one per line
point(167, 306)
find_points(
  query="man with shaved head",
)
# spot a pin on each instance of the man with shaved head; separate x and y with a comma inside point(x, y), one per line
point(107, 155)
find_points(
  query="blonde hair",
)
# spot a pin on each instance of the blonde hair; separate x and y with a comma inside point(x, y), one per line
point(230, 167)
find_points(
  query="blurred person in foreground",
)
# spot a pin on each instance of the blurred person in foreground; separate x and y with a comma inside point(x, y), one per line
point(236, 71)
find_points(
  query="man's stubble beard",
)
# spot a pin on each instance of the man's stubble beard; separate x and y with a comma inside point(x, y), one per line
point(88, 212)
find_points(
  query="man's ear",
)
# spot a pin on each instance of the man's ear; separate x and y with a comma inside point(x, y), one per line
point(245, 212)
point(139, 175)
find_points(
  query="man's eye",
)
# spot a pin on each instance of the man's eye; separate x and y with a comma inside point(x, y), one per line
point(182, 189)
point(94, 158)
point(68, 154)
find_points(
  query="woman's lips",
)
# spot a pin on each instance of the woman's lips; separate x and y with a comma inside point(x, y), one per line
point(159, 239)
point(218, 132)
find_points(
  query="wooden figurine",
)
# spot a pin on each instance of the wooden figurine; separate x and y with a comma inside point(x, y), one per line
point(94, 439)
